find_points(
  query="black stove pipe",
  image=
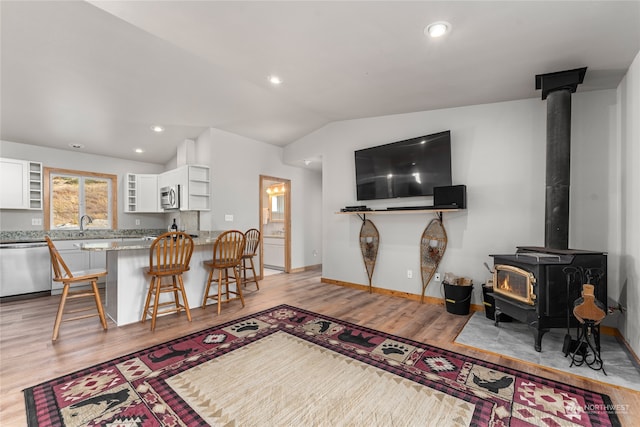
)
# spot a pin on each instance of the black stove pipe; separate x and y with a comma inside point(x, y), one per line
point(558, 175)
point(557, 89)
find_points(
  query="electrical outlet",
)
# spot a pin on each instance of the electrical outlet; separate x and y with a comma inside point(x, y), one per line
point(409, 274)
point(36, 221)
point(137, 222)
point(228, 218)
point(436, 277)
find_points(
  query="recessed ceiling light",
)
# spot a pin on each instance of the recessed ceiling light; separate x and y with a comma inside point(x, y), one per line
point(437, 29)
point(275, 80)
point(139, 150)
point(307, 162)
point(157, 128)
point(76, 146)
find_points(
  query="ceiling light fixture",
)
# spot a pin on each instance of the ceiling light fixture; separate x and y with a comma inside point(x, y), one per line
point(275, 80)
point(139, 150)
point(307, 162)
point(157, 128)
point(76, 146)
point(437, 29)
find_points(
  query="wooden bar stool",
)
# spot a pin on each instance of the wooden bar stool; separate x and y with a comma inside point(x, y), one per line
point(169, 257)
point(227, 254)
point(68, 278)
point(252, 241)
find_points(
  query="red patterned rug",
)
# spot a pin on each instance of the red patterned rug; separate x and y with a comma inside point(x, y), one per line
point(287, 366)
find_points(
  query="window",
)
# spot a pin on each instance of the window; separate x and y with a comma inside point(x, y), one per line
point(70, 195)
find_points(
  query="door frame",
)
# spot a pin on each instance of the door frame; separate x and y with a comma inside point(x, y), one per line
point(287, 220)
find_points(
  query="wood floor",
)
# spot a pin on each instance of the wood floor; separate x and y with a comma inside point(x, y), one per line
point(28, 357)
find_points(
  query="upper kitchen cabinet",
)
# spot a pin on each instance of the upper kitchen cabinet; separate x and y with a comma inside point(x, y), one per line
point(174, 177)
point(195, 190)
point(22, 184)
point(198, 192)
point(141, 193)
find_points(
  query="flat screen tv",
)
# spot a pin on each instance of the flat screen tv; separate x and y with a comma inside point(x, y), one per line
point(407, 168)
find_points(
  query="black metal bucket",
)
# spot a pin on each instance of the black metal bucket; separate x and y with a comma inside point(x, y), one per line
point(457, 298)
point(488, 301)
point(489, 305)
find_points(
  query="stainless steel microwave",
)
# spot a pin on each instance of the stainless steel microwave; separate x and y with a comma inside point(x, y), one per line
point(170, 197)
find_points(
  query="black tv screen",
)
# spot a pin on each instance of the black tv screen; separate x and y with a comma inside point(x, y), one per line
point(405, 168)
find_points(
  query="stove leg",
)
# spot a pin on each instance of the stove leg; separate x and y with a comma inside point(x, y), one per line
point(537, 337)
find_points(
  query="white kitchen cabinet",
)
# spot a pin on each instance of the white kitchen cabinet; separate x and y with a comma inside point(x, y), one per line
point(198, 194)
point(25, 191)
point(130, 193)
point(142, 193)
point(194, 186)
point(177, 176)
point(273, 252)
point(148, 193)
point(97, 259)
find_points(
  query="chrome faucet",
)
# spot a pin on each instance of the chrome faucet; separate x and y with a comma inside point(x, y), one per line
point(82, 218)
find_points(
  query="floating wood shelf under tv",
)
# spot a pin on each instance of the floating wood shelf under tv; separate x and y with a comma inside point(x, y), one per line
point(398, 211)
point(363, 214)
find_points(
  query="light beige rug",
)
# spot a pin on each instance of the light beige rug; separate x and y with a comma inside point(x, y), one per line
point(285, 381)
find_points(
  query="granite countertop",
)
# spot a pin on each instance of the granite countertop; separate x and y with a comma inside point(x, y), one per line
point(204, 238)
point(38, 235)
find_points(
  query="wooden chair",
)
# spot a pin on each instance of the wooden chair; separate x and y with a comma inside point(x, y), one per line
point(68, 278)
point(252, 238)
point(169, 257)
point(227, 254)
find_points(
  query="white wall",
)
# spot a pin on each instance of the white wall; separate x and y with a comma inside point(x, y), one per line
point(66, 159)
point(498, 151)
point(629, 185)
point(236, 165)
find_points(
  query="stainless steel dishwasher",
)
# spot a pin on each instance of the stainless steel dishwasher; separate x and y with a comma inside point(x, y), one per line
point(25, 268)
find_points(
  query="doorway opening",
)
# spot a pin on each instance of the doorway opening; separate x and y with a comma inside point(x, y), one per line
point(275, 225)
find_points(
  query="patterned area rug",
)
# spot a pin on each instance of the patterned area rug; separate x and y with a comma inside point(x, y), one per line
point(289, 367)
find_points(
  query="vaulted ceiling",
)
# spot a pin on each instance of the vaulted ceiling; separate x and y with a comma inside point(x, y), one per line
point(99, 74)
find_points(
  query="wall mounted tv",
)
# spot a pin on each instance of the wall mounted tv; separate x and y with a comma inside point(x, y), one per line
point(405, 168)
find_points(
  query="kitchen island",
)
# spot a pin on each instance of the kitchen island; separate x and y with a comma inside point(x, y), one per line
point(126, 286)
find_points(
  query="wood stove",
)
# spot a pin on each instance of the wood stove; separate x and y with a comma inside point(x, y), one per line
point(537, 286)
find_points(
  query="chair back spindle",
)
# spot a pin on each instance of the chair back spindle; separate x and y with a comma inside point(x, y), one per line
point(253, 239)
point(229, 247)
point(171, 251)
